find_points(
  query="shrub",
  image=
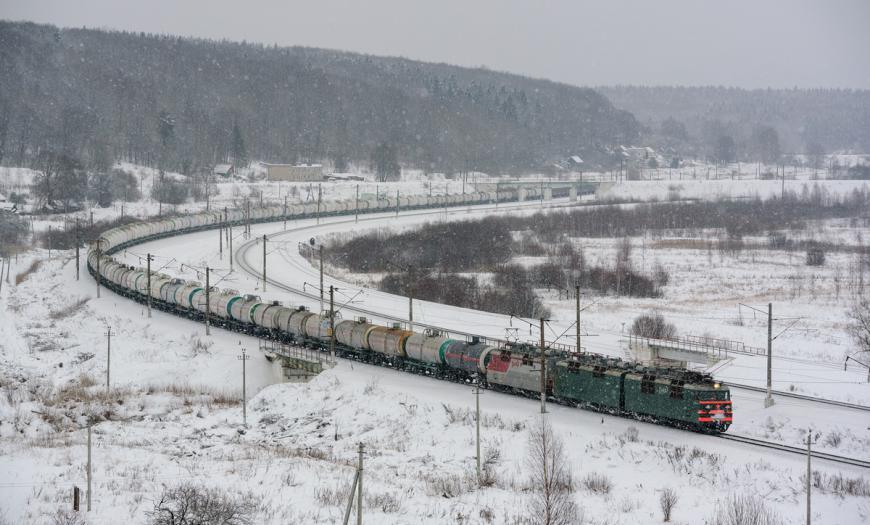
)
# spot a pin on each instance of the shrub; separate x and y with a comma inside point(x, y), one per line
point(815, 256)
point(667, 501)
point(744, 509)
point(654, 326)
point(597, 483)
point(189, 504)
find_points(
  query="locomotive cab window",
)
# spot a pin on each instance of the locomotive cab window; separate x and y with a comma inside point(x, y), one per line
point(676, 391)
point(648, 385)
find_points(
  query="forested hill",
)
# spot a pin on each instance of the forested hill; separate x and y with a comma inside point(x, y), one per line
point(805, 119)
point(185, 103)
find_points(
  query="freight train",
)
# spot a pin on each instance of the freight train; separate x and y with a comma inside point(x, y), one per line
point(675, 397)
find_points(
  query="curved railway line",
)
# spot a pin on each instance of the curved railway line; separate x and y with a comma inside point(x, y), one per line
point(245, 266)
point(241, 261)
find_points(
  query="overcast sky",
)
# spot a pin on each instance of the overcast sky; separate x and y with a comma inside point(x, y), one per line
point(746, 43)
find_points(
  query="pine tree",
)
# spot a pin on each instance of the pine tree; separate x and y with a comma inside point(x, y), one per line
point(239, 151)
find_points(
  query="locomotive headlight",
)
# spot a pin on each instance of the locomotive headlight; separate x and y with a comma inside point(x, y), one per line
point(716, 385)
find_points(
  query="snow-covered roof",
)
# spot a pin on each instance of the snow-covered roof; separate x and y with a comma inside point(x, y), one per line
point(576, 159)
point(223, 169)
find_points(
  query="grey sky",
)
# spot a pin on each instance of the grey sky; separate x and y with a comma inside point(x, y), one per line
point(746, 43)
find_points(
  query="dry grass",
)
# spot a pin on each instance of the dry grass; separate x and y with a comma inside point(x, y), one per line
point(34, 266)
point(68, 310)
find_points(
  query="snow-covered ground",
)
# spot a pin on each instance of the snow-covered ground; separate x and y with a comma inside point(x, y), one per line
point(172, 419)
point(175, 417)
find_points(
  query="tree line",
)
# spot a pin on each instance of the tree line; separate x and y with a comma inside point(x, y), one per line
point(181, 104)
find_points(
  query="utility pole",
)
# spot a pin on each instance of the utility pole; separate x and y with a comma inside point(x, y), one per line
point(810, 443)
point(89, 467)
point(319, 195)
point(410, 312)
point(768, 401)
point(264, 263)
point(397, 203)
point(49, 243)
point(577, 321)
point(108, 357)
point(248, 202)
point(244, 357)
point(543, 372)
point(332, 322)
point(77, 249)
point(359, 487)
point(285, 207)
point(207, 300)
point(221, 241)
point(321, 278)
point(477, 422)
point(356, 208)
point(99, 255)
point(148, 258)
point(230, 236)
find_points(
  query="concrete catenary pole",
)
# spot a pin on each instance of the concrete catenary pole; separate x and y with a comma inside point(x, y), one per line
point(264, 262)
point(244, 357)
point(768, 401)
point(230, 235)
point(97, 276)
point(148, 258)
point(108, 358)
point(89, 468)
point(220, 240)
point(207, 300)
point(321, 277)
point(77, 248)
point(356, 208)
point(477, 423)
point(359, 487)
point(332, 322)
point(543, 372)
point(577, 321)
point(319, 195)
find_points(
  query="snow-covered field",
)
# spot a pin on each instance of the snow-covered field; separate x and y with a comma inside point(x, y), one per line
point(171, 419)
point(174, 415)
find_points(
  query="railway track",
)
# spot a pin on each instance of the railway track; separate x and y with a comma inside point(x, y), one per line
point(245, 266)
point(796, 450)
point(813, 399)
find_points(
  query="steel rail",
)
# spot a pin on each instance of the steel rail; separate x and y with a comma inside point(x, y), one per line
point(795, 450)
point(243, 264)
point(241, 261)
point(813, 399)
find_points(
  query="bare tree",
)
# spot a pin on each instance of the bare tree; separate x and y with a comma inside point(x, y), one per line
point(551, 481)
point(654, 326)
point(668, 500)
point(859, 328)
point(189, 504)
